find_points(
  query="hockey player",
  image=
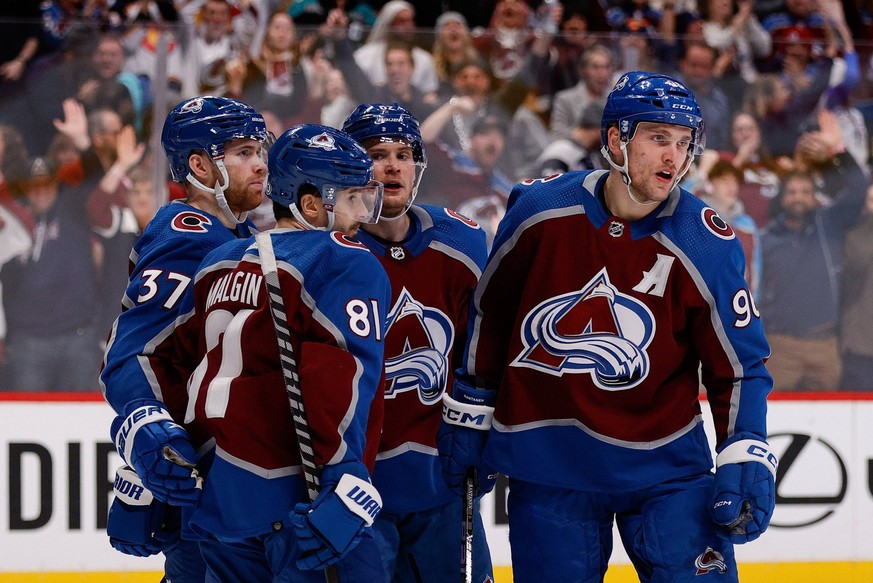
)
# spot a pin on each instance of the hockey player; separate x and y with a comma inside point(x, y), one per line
point(604, 294)
point(433, 257)
point(254, 517)
point(217, 149)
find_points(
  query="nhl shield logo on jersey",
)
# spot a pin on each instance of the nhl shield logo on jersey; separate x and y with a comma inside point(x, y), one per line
point(596, 330)
point(710, 560)
point(397, 253)
point(423, 364)
point(323, 141)
point(616, 229)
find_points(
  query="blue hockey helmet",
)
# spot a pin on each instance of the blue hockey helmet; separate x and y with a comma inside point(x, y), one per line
point(207, 123)
point(640, 96)
point(325, 158)
point(386, 122)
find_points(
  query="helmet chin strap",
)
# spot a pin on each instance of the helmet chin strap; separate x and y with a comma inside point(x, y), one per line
point(218, 192)
point(625, 173)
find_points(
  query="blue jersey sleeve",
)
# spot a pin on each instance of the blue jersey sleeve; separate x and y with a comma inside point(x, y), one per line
point(163, 264)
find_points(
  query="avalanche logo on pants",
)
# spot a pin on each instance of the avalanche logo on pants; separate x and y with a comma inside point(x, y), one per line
point(423, 363)
point(596, 330)
point(710, 560)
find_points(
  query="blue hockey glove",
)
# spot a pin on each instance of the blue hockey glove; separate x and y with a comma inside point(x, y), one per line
point(159, 450)
point(136, 517)
point(331, 526)
point(462, 435)
point(745, 490)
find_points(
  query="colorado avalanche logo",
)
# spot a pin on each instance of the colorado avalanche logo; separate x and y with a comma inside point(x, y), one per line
point(193, 106)
point(423, 365)
point(596, 330)
point(323, 141)
point(710, 560)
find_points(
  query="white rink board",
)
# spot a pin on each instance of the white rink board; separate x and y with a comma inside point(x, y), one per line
point(824, 512)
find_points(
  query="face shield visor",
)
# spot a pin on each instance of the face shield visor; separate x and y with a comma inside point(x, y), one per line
point(362, 204)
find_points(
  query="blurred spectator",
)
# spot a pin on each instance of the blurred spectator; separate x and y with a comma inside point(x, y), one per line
point(845, 80)
point(802, 250)
point(275, 78)
point(596, 71)
point(781, 110)
point(583, 21)
point(149, 33)
point(119, 207)
point(856, 303)
point(797, 16)
point(731, 26)
point(581, 151)
point(451, 122)
point(16, 224)
point(452, 46)
point(696, 67)
point(16, 238)
point(20, 30)
point(109, 86)
point(528, 134)
point(57, 18)
point(398, 87)
point(721, 192)
point(336, 102)
point(505, 43)
point(213, 46)
point(456, 176)
point(396, 21)
point(760, 171)
point(49, 293)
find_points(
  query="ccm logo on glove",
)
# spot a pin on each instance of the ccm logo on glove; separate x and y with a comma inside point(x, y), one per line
point(465, 414)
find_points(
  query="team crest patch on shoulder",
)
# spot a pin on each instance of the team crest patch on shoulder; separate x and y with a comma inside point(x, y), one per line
point(459, 217)
point(190, 222)
point(346, 241)
point(716, 224)
point(709, 561)
point(323, 141)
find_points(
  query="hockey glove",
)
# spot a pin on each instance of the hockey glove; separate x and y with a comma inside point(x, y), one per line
point(331, 526)
point(159, 450)
point(462, 435)
point(745, 490)
point(135, 518)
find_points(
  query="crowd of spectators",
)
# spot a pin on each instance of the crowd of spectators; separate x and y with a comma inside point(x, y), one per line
point(506, 90)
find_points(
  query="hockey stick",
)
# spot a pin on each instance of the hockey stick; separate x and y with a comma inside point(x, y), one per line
point(467, 536)
point(289, 371)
